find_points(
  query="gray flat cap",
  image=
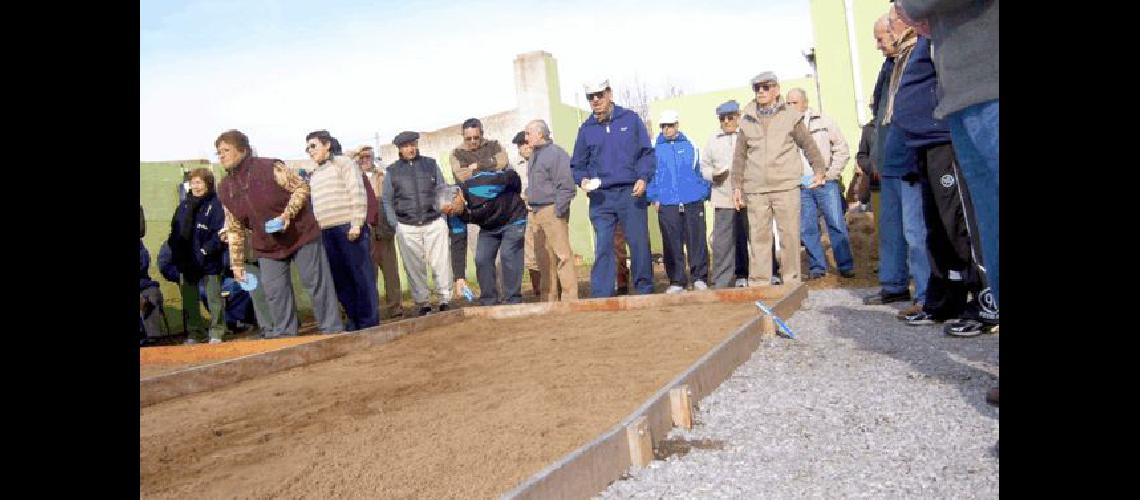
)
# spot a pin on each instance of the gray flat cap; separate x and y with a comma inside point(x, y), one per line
point(766, 76)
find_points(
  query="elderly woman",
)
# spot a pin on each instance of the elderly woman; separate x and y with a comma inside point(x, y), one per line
point(197, 253)
point(257, 191)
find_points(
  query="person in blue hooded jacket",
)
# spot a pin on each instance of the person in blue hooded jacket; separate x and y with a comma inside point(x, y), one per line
point(197, 252)
point(678, 192)
point(614, 163)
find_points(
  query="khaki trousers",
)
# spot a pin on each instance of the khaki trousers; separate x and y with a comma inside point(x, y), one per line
point(554, 232)
point(383, 252)
point(422, 247)
point(784, 207)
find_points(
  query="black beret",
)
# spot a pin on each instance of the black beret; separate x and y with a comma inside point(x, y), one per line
point(520, 139)
point(405, 137)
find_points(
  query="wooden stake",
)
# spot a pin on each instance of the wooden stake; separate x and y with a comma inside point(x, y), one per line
point(640, 442)
point(682, 406)
point(768, 325)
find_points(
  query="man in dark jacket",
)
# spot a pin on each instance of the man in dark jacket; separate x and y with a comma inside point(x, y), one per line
point(491, 199)
point(549, 193)
point(197, 251)
point(613, 162)
point(411, 190)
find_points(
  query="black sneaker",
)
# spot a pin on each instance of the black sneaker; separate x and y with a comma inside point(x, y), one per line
point(968, 328)
point(814, 275)
point(424, 311)
point(443, 306)
point(886, 298)
point(921, 318)
point(847, 274)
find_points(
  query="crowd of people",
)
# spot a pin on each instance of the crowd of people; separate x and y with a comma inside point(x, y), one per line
point(770, 172)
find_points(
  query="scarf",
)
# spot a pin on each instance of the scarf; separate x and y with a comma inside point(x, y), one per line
point(905, 45)
point(186, 229)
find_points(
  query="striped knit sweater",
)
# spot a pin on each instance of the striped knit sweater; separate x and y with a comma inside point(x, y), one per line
point(337, 190)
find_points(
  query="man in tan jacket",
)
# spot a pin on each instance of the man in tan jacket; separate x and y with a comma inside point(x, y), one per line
point(766, 178)
point(384, 236)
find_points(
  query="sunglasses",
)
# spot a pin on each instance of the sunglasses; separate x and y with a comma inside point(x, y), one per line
point(665, 125)
point(472, 137)
point(725, 118)
point(765, 86)
point(595, 95)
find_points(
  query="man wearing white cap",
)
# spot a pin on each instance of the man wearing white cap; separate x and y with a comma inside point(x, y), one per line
point(766, 177)
point(613, 162)
point(679, 192)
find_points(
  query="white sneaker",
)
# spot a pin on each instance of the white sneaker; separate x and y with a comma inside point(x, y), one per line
point(674, 289)
point(741, 282)
point(215, 341)
point(776, 280)
point(700, 285)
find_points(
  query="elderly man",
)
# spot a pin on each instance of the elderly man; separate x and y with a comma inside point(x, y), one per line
point(678, 192)
point(730, 226)
point(340, 205)
point(613, 162)
point(409, 199)
point(902, 226)
point(383, 234)
point(826, 200)
point(766, 178)
point(550, 191)
point(533, 262)
point(476, 152)
point(260, 192)
point(902, 231)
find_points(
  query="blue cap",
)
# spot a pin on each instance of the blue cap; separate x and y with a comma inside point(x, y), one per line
point(729, 107)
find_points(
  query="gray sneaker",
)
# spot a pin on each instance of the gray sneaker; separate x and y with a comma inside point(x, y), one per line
point(700, 285)
point(777, 281)
point(674, 289)
point(741, 282)
point(215, 341)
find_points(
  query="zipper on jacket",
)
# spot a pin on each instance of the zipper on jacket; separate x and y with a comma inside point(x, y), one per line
point(416, 190)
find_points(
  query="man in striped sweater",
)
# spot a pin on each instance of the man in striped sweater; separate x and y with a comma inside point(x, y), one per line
point(340, 205)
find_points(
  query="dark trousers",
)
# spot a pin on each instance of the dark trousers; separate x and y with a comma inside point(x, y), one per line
point(953, 275)
point(608, 208)
point(729, 246)
point(504, 244)
point(354, 275)
point(683, 230)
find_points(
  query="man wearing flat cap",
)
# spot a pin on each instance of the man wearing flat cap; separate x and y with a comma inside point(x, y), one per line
point(767, 177)
point(613, 162)
point(730, 226)
point(410, 188)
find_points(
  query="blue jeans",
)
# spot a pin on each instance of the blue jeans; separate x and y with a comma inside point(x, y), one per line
point(974, 131)
point(608, 207)
point(507, 242)
point(827, 201)
point(902, 238)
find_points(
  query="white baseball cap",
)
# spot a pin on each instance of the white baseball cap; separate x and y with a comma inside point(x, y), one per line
point(597, 85)
point(668, 116)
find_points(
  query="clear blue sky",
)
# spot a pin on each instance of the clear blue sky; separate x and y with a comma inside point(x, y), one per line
point(279, 69)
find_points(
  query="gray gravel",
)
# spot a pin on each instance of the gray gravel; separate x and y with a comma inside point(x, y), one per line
point(860, 406)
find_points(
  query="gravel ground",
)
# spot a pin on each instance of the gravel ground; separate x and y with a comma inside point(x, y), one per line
point(861, 405)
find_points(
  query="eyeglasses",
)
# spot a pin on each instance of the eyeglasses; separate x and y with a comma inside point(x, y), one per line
point(756, 87)
point(595, 95)
point(728, 117)
point(472, 138)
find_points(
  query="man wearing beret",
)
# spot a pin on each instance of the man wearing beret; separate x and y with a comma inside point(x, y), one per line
point(766, 178)
point(730, 226)
point(410, 187)
point(613, 162)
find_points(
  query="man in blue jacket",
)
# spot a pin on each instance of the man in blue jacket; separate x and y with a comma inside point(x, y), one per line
point(614, 162)
point(678, 192)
